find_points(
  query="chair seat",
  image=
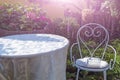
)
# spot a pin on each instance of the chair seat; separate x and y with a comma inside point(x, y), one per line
point(94, 63)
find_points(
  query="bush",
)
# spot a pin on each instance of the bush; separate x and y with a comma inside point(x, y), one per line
point(64, 27)
point(22, 18)
point(116, 70)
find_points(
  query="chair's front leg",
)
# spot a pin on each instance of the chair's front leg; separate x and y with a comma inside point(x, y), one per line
point(77, 74)
point(105, 76)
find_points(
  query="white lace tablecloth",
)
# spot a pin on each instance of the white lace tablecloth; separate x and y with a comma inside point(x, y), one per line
point(33, 57)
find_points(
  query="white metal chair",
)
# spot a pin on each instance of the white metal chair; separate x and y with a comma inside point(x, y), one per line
point(92, 43)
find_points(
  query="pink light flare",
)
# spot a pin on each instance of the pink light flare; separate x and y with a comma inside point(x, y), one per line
point(62, 1)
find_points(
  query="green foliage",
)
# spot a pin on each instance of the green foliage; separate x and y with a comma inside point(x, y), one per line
point(116, 70)
point(22, 18)
point(116, 44)
point(70, 70)
point(70, 75)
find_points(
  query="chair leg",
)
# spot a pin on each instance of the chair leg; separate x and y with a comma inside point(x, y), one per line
point(105, 76)
point(77, 74)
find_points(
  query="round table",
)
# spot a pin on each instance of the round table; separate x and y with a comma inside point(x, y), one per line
point(33, 57)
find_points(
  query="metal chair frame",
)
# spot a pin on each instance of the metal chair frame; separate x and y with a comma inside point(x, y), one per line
point(92, 30)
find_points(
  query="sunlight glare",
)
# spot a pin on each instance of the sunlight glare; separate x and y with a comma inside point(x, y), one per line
point(62, 1)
